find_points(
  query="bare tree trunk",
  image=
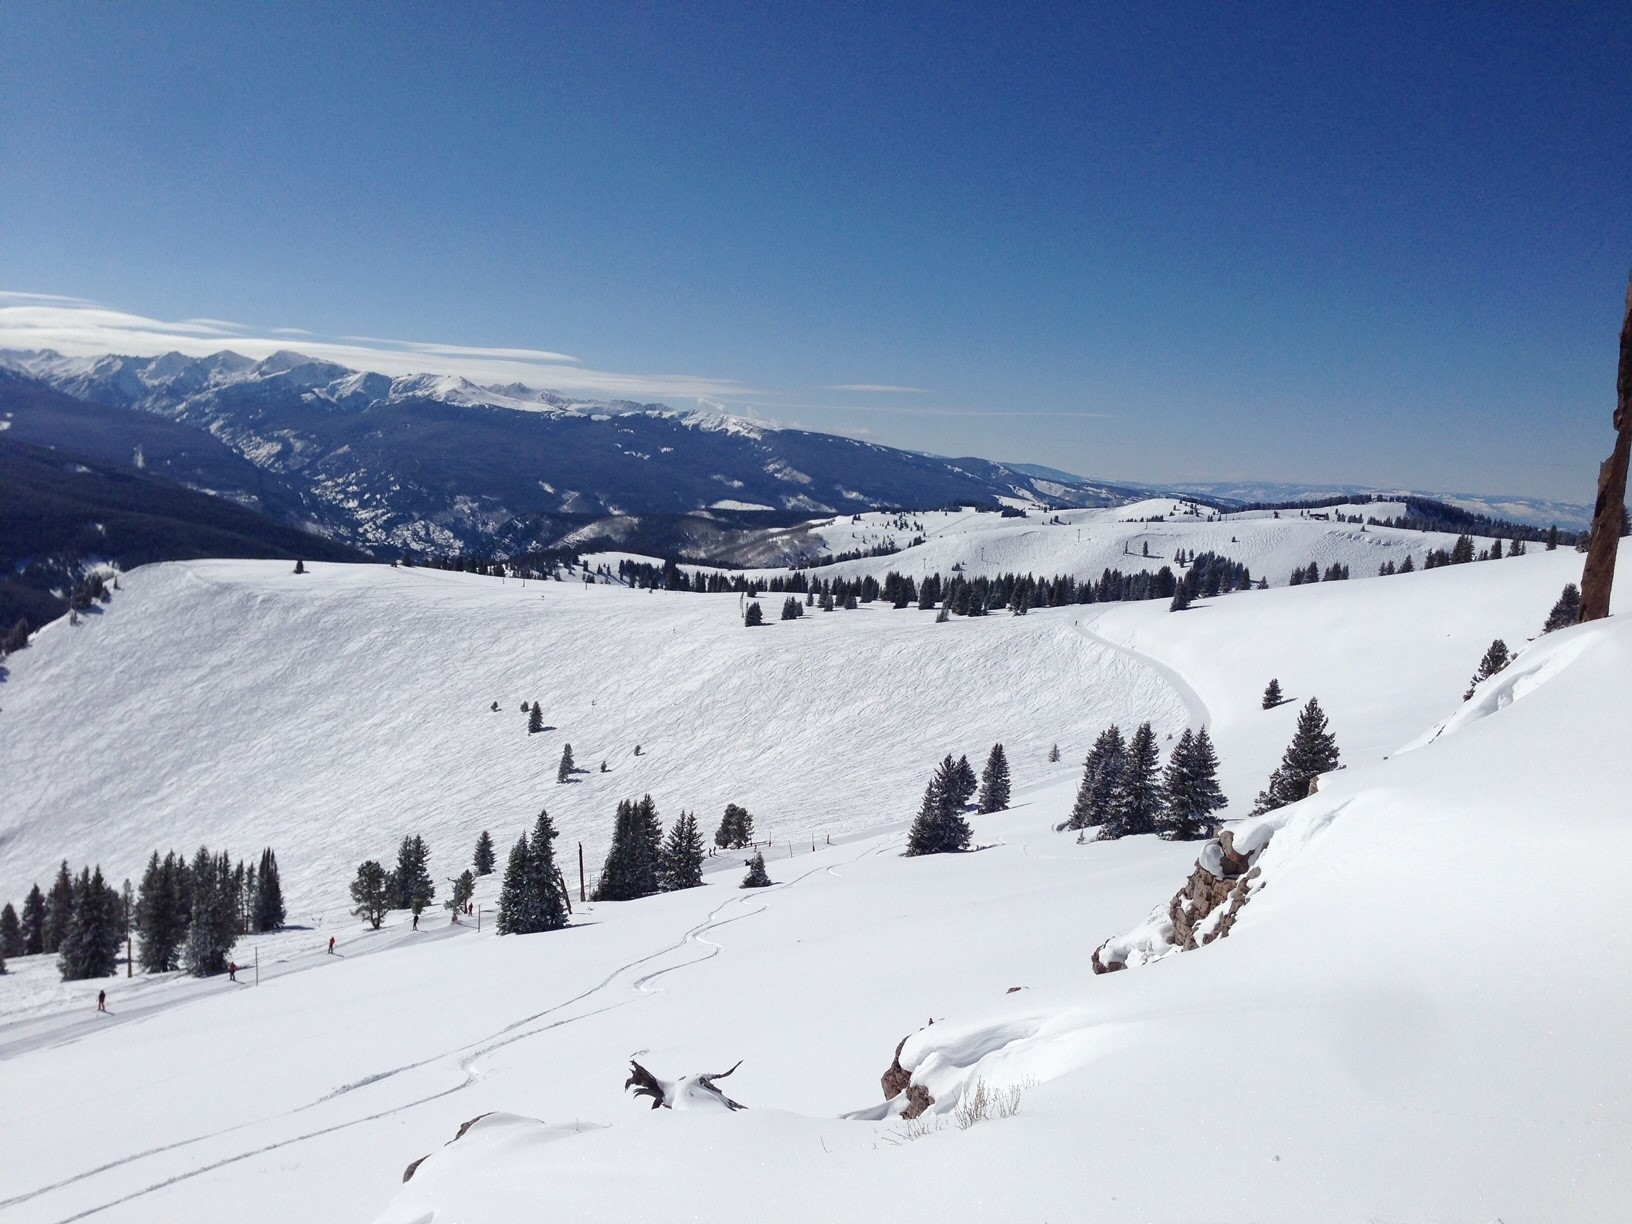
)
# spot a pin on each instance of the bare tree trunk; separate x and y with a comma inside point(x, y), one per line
point(1599, 575)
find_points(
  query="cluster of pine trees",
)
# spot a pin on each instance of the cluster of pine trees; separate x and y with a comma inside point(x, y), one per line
point(190, 914)
point(736, 831)
point(642, 862)
point(533, 896)
point(375, 891)
point(940, 827)
point(1125, 791)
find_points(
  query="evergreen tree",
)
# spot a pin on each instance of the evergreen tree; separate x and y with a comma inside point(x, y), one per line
point(632, 863)
point(1462, 550)
point(90, 948)
point(1135, 800)
point(11, 932)
point(514, 916)
point(994, 781)
point(1496, 658)
point(939, 827)
point(1552, 537)
point(564, 770)
point(1313, 751)
point(1272, 694)
point(1181, 597)
point(300, 567)
point(16, 638)
point(369, 894)
point(161, 916)
point(59, 908)
point(483, 860)
point(547, 905)
point(1190, 793)
point(682, 865)
point(34, 922)
point(757, 876)
point(1099, 777)
point(213, 929)
point(1567, 610)
point(964, 783)
point(1054, 755)
point(736, 829)
point(412, 879)
point(463, 889)
point(268, 913)
point(535, 720)
point(754, 615)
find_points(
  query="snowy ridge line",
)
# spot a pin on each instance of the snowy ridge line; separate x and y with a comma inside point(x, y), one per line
point(1200, 716)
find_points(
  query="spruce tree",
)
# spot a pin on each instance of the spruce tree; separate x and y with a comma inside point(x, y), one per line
point(1135, 799)
point(547, 904)
point(1054, 755)
point(369, 895)
point(90, 948)
point(964, 783)
point(11, 932)
point(1190, 792)
point(535, 720)
point(1272, 694)
point(483, 859)
point(464, 887)
point(1497, 657)
point(939, 827)
point(757, 876)
point(213, 929)
point(994, 781)
point(160, 922)
point(754, 616)
point(514, 916)
point(34, 922)
point(1099, 777)
point(736, 829)
point(412, 879)
point(268, 912)
point(683, 855)
point(1566, 611)
point(59, 908)
point(564, 770)
point(631, 868)
point(1313, 751)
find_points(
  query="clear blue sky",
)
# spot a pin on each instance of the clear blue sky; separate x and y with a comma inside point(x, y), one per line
point(1375, 243)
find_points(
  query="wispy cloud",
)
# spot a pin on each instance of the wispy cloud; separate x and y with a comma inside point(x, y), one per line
point(877, 389)
point(87, 329)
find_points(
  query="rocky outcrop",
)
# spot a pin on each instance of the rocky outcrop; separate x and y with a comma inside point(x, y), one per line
point(458, 1135)
point(898, 1079)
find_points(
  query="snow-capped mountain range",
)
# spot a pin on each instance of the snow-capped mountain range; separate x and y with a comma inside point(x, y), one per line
point(437, 463)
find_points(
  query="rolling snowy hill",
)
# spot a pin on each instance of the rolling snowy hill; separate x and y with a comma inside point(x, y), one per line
point(1364, 1045)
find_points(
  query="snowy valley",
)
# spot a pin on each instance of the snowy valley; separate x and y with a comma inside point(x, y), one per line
point(1413, 1017)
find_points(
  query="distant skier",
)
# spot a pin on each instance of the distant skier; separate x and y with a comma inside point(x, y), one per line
point(232, 971)
point(331, 945)
point(416, 920)
point(101, 1000)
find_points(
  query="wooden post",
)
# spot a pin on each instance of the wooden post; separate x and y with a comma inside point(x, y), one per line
point(257, 964)
point(581, 873)
point(129, 960)
point(1599, 574)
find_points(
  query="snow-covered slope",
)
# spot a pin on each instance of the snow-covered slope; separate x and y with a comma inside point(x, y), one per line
point(1415, 1019)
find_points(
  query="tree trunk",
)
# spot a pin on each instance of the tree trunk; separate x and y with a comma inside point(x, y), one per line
point(1608, 512)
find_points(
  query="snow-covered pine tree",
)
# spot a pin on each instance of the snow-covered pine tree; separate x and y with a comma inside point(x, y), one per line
point(1313, 751)
point(1190, 792)
point(1272, 694)
point(1099, 776)
point(1567, 610)
point(268, 913)
point(565, 769)
point(1054, 755)
point(59, 908)
point(939, 827)
point(90, 949)
point(757, 876)
point(994, 781)
point(11, 932)
point(1136, 798)
point(483, 858)
point(369, 895)
point(34, 922)
point(682, 865)
point(1496, 658)
point(514, 918)
point(547, 904)
point(213, 929)
point(535, 720)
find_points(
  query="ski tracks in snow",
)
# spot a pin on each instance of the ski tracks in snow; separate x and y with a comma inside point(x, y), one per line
point(1195, 707)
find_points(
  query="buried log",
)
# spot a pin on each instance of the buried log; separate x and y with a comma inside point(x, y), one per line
point(460, 1134)
point(687, 1092)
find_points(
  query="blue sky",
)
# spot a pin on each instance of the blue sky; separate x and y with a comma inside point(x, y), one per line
point(1163, 241)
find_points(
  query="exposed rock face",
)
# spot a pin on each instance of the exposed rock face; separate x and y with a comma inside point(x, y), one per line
point(898, 1079)
point(460, 1134)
